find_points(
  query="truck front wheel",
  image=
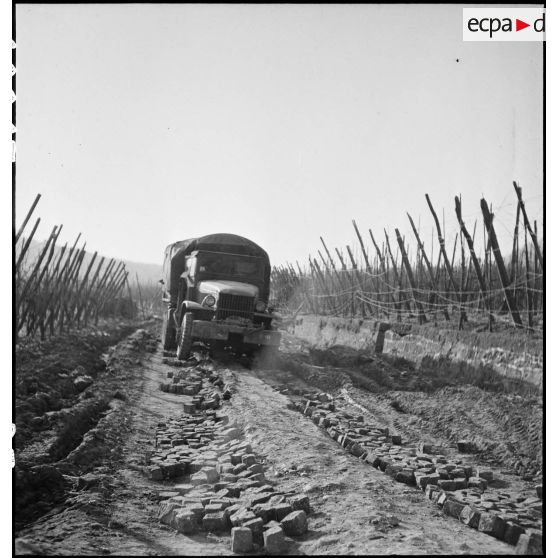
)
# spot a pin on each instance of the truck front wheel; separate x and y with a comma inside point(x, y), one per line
point(169, 331)
point(185, 337)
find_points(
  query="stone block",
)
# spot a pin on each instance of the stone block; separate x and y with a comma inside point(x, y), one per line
point(196, 508)
point(241, 516)
point(300, 502)
point(231, 510)
point(356, 449)
point(282, 510)
point(276, 499)
point(529, 543)
point(213, 508)
point(373, 459)
point(255, 525)
point(460, 483)
point(405, 476)
point(425, 448)
point(249, 459)
point(431, 491)
point(513, 532)
point(260, 498)
point(444, 474)
point(453, 508)
point(215, 522)
point(241, 540)
point(265, 511)
point(155, 473)
point(383, 463)
point(442, 498)
point(166, 512)
point(257, 477)
point(477, 482)
point(238, 469)
point(264, 488)
point(456, 472)
point(256, 468)
point(220, 485)
point(447, 485)
point(333, 433)
point(486, 474)
point(468, 470)
point(186, 522)
point(392, 469)
point(211, 474)
point(189, 407)
point(492, 525)
point(424, 480)
point(470, 516)
point(236, 458)
point(295, 523)
point(198, 478)
point(274, 540)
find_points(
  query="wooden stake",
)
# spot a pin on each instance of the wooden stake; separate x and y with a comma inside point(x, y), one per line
point(527, 225)
point(441, 241)
point(433, 284)
point(475, 260)
point(422, 317)
point(27, 217)
point(488, 217)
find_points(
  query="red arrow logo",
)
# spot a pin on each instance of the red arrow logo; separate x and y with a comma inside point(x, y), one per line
point(519, 25)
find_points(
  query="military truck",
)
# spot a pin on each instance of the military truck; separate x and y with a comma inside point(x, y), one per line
point(216, 288)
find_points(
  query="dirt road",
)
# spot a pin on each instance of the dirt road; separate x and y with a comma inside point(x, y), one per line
point(110, 506)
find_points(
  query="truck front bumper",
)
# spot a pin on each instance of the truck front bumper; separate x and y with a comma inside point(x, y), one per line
point(220, 331)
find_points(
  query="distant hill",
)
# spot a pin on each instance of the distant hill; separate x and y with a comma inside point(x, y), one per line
point(147, 273)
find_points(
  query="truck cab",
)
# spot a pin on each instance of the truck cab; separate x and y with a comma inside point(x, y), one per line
point(217, 291)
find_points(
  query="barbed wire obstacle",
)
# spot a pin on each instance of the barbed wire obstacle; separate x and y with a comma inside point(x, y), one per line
point(407, 282)
point(55, 291)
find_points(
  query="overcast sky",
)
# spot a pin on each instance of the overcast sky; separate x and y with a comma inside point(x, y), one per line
point(145, 124)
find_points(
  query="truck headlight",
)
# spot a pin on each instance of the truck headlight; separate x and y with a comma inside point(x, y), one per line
point(260, 306)
point(209, 300)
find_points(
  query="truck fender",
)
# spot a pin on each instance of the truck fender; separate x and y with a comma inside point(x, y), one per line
point(194, 307)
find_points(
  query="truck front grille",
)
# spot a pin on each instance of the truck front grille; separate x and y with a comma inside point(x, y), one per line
point(234, 305)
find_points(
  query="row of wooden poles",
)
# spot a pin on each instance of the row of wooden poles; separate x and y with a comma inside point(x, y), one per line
point(57, 292)
point(389, 285)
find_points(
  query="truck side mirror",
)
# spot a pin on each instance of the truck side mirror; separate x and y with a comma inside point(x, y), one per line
point(161, 281)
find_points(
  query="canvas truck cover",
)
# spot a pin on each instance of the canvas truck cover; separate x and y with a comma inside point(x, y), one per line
point(175, 254)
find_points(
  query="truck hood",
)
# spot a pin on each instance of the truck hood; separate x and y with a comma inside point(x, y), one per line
point(216, 287)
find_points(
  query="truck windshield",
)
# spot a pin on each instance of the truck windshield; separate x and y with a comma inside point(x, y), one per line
point(230, 266)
